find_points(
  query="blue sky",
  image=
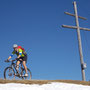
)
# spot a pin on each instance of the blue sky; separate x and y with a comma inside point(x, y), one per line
point(36, 26)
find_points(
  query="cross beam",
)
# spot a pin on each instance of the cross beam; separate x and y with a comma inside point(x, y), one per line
point(74, 15)
point(75, 27)
point(83, 65)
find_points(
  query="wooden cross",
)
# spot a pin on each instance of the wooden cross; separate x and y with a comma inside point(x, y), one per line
point(83, 65)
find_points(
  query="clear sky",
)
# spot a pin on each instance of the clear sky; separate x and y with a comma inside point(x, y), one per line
point(36, 26)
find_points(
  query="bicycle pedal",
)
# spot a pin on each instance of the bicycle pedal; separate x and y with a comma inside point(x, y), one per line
point(23, 76)
point(16, 74)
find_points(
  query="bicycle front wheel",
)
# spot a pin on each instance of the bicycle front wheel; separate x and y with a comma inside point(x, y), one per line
point(9, 73)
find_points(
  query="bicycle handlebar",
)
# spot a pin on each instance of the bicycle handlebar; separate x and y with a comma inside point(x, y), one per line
point(10, 60)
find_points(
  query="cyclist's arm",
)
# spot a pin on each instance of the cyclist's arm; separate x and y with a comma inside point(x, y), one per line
point(19, 56)
point(11, 55)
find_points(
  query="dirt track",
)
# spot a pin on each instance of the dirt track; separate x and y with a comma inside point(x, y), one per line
point(44, 81)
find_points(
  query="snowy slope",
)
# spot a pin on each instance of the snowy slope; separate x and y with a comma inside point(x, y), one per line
point(52, 86)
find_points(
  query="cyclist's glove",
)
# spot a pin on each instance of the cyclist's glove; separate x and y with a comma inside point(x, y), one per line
point(7, 60)
point(17, 59)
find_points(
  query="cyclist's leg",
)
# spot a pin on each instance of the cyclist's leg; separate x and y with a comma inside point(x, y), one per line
point(17, 65)
point(25, 67)
point(24, 63)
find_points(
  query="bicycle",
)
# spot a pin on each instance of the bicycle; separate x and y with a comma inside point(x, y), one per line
point(11, 72)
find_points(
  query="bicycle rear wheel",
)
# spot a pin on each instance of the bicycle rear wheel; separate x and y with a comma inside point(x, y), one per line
point(29, 77)
point(9, 73)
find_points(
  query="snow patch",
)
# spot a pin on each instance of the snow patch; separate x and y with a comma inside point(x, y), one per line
point(52, 86)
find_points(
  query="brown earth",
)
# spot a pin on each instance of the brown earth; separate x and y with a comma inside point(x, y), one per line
point(44, 81)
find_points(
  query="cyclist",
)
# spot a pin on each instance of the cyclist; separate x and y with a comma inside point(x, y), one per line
point(21, 57)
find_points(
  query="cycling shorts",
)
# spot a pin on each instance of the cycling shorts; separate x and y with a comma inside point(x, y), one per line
point(23, 58)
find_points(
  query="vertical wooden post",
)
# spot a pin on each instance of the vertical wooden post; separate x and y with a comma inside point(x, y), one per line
point(79, 42)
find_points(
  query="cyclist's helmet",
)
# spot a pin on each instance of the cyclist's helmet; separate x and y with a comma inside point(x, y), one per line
point(15, 45)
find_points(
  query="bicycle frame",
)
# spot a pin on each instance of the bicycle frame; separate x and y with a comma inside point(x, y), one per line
point(13, 65)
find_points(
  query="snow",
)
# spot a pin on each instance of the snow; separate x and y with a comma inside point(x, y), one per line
point(52, 86)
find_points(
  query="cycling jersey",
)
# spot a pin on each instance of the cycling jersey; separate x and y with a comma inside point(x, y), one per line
point(19, 52)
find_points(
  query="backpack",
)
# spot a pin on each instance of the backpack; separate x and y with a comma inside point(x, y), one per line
point(19, 47)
